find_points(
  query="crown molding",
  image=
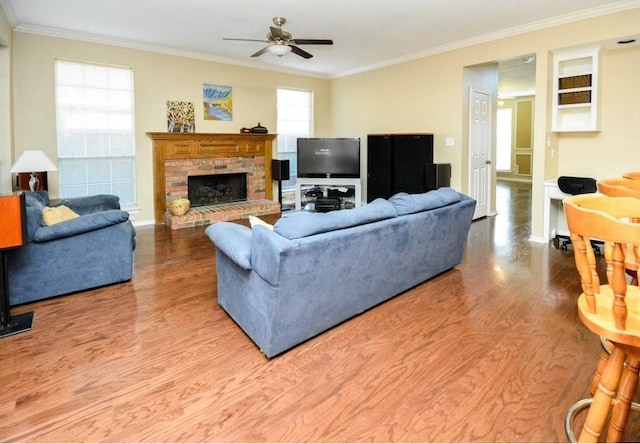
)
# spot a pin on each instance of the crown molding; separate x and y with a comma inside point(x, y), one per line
point(613, 8)
point(618, 6)
point(167, 50)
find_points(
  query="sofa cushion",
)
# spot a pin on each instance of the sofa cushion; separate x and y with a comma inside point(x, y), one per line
point(92, 204)
point(82, 224)
point(405, 203)
point(303, 224)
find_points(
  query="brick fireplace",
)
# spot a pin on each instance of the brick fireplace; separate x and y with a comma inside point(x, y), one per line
point(180, 155)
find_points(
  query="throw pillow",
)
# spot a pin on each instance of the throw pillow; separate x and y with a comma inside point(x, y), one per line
point(54, 215)
point(253, 220)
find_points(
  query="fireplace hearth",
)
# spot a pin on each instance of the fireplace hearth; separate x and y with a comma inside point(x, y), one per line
point(214, 189)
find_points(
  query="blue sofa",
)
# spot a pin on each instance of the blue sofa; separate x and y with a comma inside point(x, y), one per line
point(315, 270)
point(91, 250)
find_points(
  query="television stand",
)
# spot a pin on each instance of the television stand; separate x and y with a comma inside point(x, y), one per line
point(326, 182)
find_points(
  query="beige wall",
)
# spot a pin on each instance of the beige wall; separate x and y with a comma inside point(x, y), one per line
point(427, 95)
point(424, 95)
point(6, 159)
point(616, 149)
point(157, 78)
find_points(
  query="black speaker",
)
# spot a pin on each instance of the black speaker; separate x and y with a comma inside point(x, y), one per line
point(280, 169)
point(437, 175)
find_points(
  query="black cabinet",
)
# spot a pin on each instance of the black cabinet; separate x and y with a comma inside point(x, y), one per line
point(397, 162)
point(379, 177)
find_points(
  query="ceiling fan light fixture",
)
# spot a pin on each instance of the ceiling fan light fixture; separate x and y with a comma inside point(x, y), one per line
point(282, 43)
point(279, 49)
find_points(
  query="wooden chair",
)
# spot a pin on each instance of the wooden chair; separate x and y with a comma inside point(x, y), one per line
point(610, 310)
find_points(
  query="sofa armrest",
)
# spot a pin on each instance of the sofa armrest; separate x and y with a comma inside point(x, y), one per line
point(268, 250)
point(91, 204)
point(232, 239)
point(81, 224)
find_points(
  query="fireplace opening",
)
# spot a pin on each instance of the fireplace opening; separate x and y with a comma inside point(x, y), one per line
point(212, 189)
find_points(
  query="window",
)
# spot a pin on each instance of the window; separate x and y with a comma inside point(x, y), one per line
point(295, 119)
point(95, 131)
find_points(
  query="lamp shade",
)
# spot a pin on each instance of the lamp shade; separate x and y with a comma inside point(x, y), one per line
point(31, 161)
point(279, 49)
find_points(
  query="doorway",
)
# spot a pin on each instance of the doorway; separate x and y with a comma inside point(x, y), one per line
point(516, 97)
point(510, 79)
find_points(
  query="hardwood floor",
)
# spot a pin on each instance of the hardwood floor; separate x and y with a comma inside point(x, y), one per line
point(491, 351)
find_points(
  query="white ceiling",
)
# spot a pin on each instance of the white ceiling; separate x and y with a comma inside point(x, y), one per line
point(367, 33)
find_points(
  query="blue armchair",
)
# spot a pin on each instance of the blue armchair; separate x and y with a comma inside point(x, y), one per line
point(91, 250)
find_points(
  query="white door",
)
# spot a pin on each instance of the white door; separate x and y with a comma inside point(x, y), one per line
point(479, 150)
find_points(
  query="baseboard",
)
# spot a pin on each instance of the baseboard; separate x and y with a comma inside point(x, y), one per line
point(143, 223)
point(537, 240)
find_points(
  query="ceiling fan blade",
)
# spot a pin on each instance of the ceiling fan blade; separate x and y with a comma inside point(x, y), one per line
point(245, 40)
point(312, 41)
point(277, 33)
point(259, 53)
point(300, 52)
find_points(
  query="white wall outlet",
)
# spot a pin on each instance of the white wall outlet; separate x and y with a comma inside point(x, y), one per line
point(449, 141)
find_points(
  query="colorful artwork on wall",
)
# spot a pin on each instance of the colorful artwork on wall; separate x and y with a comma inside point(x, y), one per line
point(217, 101)
point(180, 117)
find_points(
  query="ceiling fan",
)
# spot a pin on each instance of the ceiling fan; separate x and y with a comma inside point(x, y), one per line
point(281, 43)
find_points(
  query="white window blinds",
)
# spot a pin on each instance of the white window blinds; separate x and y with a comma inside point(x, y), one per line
point(95, 130)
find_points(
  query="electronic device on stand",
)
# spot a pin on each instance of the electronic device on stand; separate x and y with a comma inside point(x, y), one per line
point(328, 162)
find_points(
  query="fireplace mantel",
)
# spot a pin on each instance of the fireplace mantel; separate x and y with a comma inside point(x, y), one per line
point(205, 146)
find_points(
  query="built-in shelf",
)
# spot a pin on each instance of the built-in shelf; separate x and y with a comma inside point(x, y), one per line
point(575, 90)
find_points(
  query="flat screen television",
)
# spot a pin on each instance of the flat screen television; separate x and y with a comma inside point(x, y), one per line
point(329, 157)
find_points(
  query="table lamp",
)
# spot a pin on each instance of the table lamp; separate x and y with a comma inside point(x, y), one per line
point(33, 162)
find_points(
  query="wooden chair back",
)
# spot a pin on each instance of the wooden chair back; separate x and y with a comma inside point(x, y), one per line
point(609, 219)
point(627, 186)
point(620, 187)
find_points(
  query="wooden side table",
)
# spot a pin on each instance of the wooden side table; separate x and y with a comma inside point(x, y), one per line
point(13, 232)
